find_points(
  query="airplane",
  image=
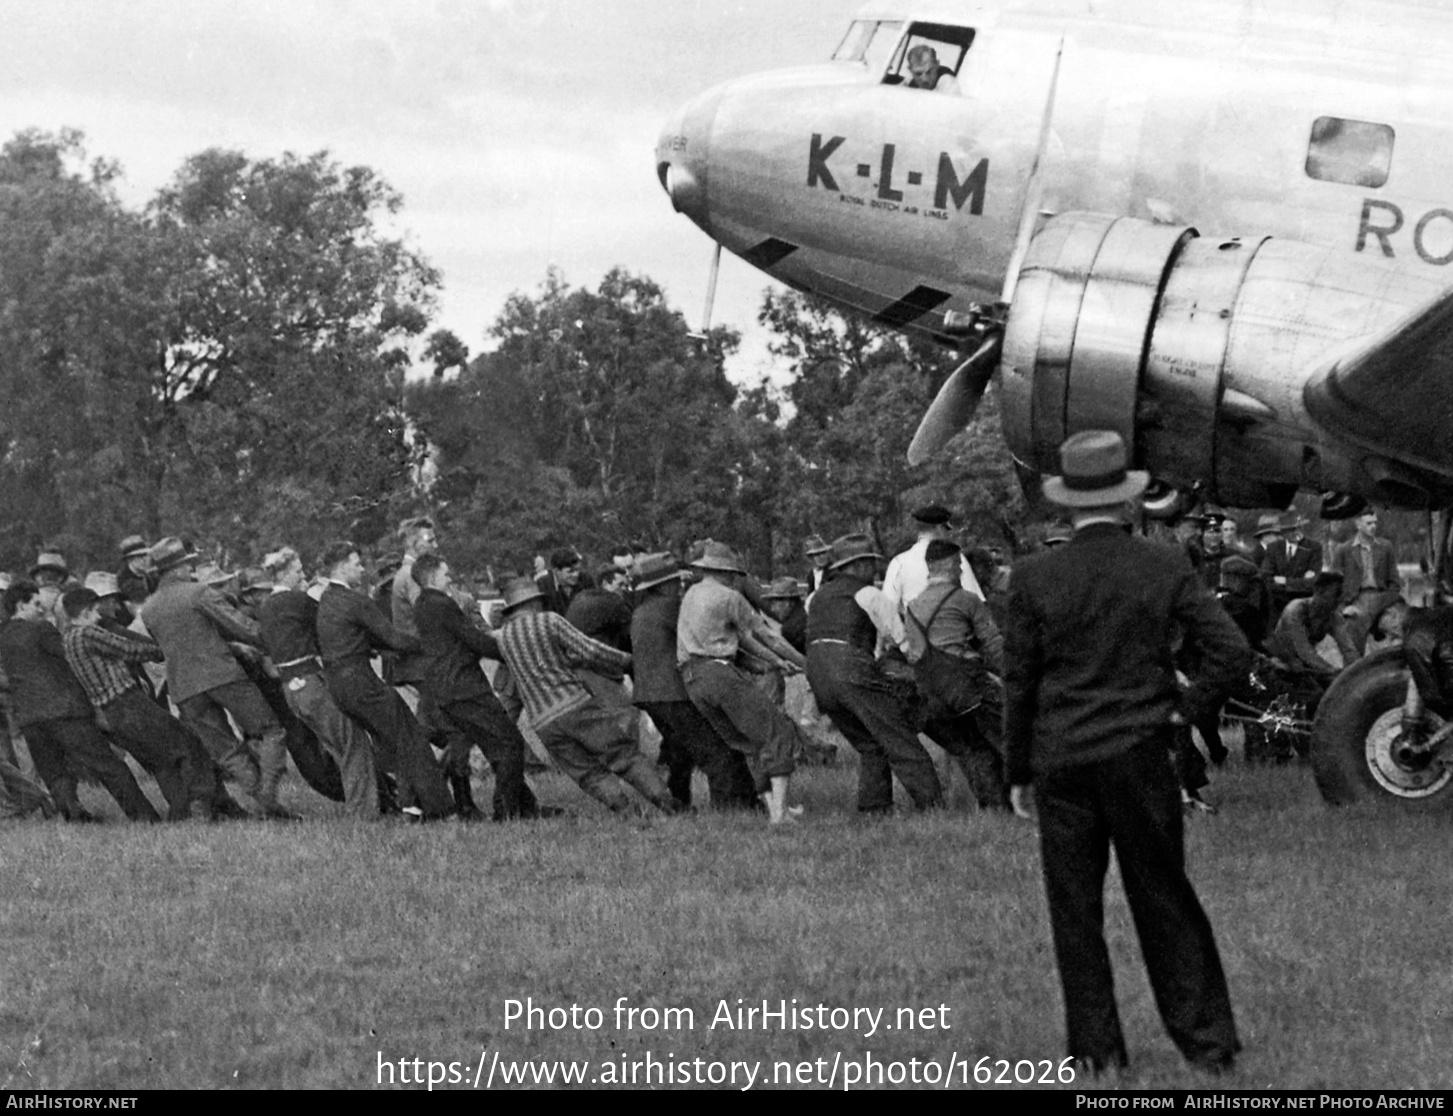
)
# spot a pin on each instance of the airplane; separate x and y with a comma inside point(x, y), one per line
point(1222, 228)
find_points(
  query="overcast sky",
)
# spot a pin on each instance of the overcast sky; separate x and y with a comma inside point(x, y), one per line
point(520, 132)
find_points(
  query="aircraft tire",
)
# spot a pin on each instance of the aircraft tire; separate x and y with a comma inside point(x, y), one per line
point(1358, 722)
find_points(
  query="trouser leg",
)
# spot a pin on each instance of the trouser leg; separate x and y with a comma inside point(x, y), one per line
point(965, 739)
point(1186, 759)
point(694, 743)
point(626, 761)
point(875, 777)
point(88, 753)
point(264, 733)
point(363, 696)
point(744, 717)
point(208, 721)
point(343, 739)
point(486, 724)
point(1143, 813)
point(883, 716)
point(1209, 726)
point(584, 766)
point(50, 764)
point(158, 743)
point(1074, 842)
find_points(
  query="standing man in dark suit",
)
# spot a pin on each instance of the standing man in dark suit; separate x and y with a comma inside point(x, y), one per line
point(350, 629)
point(467, 708)
point(1289, 561)
point(1091, 703)
point(1370, 580)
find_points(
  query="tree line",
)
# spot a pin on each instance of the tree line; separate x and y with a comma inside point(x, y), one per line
point(232, 361)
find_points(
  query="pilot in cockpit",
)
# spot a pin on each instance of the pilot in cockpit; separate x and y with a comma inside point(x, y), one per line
point(926, 72)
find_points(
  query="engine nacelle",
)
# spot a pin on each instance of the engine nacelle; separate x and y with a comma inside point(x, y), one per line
point(1195, 349)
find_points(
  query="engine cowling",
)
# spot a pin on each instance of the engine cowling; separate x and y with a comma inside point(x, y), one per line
point(1195, 349)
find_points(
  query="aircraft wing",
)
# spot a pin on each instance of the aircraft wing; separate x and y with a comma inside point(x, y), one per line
point(1393, 395)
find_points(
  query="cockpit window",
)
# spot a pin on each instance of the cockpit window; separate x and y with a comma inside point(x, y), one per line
point(870, 42)
point(1353, 152)
point(931, 57)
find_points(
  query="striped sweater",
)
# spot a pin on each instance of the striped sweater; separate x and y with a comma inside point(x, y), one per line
point(542, 651)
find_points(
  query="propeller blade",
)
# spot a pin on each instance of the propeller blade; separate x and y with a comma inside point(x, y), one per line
point(954, 406)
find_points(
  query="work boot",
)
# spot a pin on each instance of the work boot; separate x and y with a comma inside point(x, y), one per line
point(464, 798)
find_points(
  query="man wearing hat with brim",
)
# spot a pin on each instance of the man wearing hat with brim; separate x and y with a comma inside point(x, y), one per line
point(1091, 708)
point(846, 620)
point(907, 574)
point(717, 632)
point(193, 623)
point(134, 574)
point(51, 574)
point(819, 556)
point(688, 741)
point(1289, 561)
point(591, 742)
point(783, 601)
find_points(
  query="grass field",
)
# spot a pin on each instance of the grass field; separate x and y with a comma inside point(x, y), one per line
point(294, 955)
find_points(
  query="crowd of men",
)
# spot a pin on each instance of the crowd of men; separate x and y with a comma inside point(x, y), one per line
point(209, 680)
point(1078, 678)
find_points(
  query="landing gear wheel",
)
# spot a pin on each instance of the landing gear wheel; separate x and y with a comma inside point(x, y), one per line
point(1357, 748)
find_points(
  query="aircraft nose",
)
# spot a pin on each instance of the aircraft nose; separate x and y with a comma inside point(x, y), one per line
point(682, 156)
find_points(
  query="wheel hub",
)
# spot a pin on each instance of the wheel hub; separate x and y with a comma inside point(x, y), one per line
point(1399, 768)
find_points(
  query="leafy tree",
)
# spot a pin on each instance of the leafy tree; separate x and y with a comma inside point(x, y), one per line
point(227, 363)
point(597, 419)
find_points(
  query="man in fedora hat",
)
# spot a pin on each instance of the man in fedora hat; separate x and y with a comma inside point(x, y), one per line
point(194, 623)
point(846, 620)
point(351, 628)
point(465, 704)
point(1091, 706)
point(1289, 561)
point(51, 574)
point(783, 601)
point(718, 634)
point(115, 612)
point(688, 741)
point(591, 742)
point(819, 557)
point(134, 575)
point(907, 574)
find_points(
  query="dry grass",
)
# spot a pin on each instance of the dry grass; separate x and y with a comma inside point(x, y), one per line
point(292, 955)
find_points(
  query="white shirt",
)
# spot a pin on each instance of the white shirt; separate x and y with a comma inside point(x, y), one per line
point(884, 615)
point(907, 576)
